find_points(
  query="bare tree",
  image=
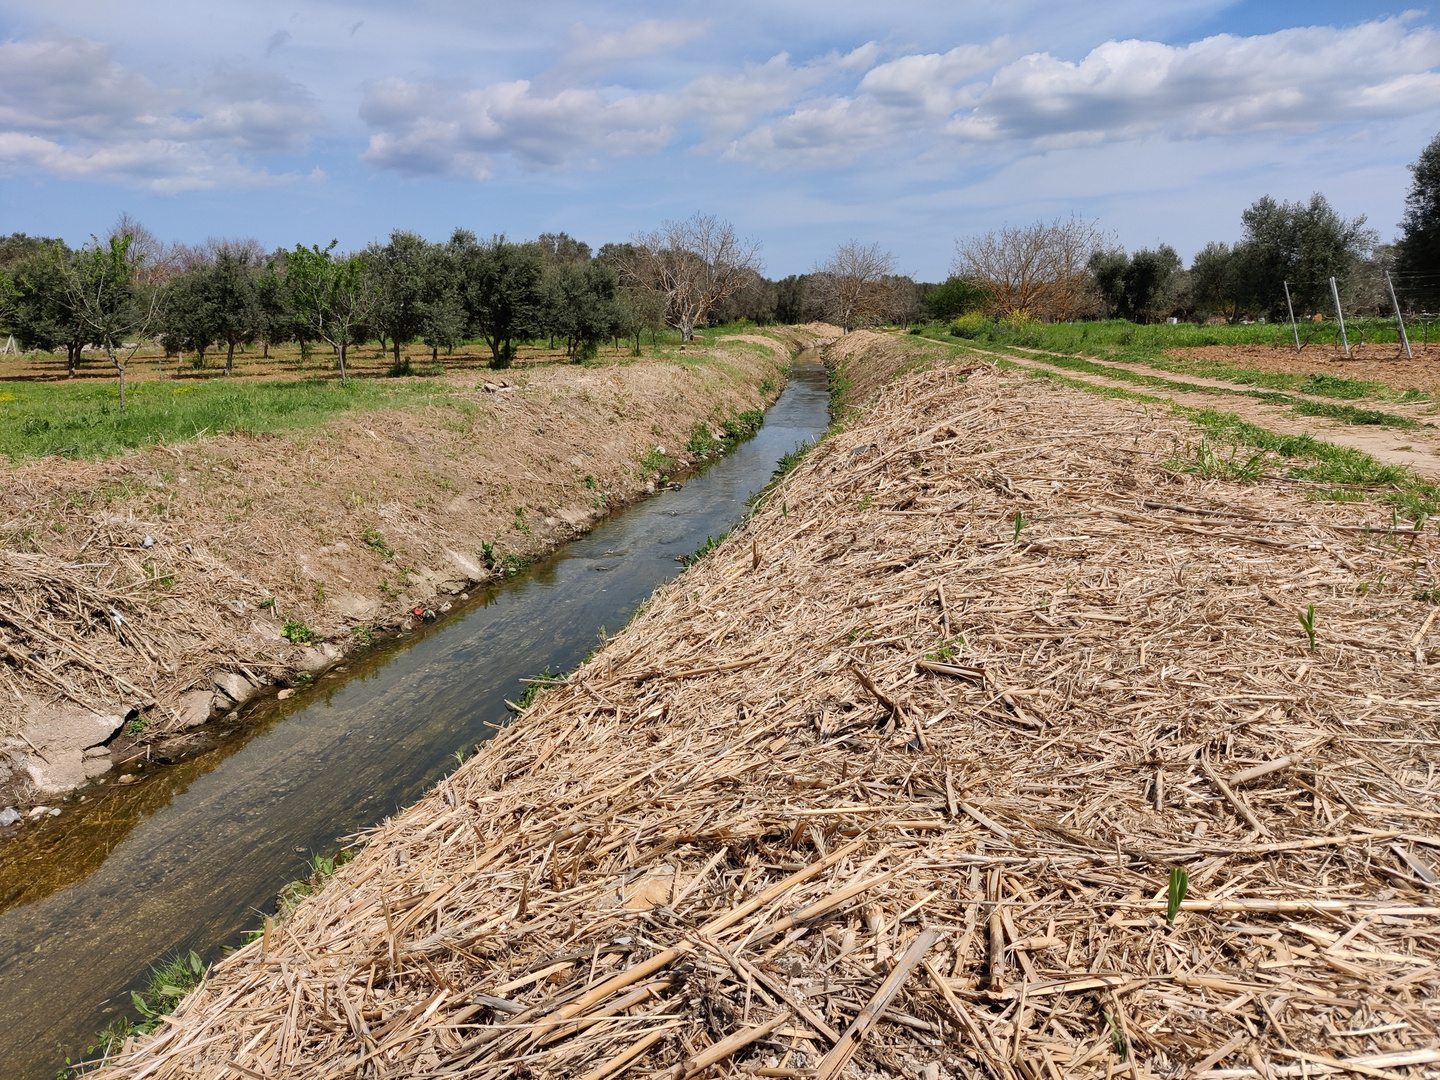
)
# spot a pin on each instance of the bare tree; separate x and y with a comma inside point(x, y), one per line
point(851, 284)
point(1035, 270)
point(152, 260)
point(694, 263)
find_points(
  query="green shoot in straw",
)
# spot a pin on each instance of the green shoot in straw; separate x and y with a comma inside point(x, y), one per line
point(1179, 885)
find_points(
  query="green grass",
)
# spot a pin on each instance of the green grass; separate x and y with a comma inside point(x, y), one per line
point(165, 988)
point(84, 419)
point(1103, 336)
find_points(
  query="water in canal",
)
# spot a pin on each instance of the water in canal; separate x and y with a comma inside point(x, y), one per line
point(188, 857)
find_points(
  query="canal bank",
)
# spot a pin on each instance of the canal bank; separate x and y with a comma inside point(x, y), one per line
point(984, 749)
point(147, 594)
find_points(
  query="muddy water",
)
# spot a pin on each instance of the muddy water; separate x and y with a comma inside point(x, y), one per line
point(187, 858)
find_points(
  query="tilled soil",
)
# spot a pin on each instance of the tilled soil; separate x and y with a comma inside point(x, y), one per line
point(1372, 363)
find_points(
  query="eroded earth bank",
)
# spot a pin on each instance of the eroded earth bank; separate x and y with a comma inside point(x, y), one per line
point(144, 595)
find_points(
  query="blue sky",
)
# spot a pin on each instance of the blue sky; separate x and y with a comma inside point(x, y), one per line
point(804, 123)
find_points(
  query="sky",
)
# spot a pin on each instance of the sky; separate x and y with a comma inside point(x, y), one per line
point(804, 123)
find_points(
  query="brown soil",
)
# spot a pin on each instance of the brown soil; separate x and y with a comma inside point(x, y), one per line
point(351, 525)
point(893, 783)
point(1372, 363)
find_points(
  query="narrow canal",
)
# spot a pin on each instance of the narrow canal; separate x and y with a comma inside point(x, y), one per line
point(189, 857)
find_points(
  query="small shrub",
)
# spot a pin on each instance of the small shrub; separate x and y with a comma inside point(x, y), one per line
point(297, 632)
point(973, 325)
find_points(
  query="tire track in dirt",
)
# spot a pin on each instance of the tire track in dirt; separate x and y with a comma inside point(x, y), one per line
point(1421, 411)
point(1417, 450)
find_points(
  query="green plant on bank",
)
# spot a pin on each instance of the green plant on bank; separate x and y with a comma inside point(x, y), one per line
point(164, 989)
point(506, 565)
point(136, 726)
point(1202, 459)
point(1175, 895)
point(655, 461)
point(865, 501)
point(371, 537)
point(948, 649)
point(322, 869)
point(520, 524)
point(710, 544)
point(1020, 523)
point(362, 635)
point(296, 632)
point(1117, 1039)
point(590, 482)
point(535, 686)
point(1307, 623)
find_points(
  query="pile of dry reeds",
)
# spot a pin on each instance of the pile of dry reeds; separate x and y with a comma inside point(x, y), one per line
point(893, 784)
point(97, 633)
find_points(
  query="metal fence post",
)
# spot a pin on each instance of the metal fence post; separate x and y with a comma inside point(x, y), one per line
point(1291, 307)
point(1339, 314)
point(1404, 337)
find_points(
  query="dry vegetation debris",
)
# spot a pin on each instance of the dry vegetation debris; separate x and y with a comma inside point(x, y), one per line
point(892, 784)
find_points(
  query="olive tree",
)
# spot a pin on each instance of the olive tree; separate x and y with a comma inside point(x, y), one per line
point(333, 296)
point(43, 311)
point(500, 286)
point(1417, 253)
point(401, 272)
point(113, 306)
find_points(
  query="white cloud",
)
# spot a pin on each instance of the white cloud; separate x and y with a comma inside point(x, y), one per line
point(1223, 85)
point(437, 128)
point(590, 52)
point(68, 109)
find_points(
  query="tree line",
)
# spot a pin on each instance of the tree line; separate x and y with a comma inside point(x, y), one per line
point(117, 293)
point(1285, 260)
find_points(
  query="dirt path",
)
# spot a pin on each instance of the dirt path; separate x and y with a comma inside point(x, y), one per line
point(1421, 411)
point(158, 589)
point(1415, 449)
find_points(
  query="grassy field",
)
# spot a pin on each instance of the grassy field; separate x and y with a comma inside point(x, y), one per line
point(84, 419)
point(43, 414)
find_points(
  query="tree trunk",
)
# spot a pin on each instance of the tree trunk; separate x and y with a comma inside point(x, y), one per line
point(121, 369)
point(230, 358)
point(396, 343)
point(343, 377)
point(72, 355)
point(266, 355)
point(200, 357)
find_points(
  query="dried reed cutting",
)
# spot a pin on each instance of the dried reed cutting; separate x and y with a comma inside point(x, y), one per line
point(893, 784)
